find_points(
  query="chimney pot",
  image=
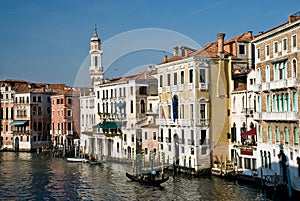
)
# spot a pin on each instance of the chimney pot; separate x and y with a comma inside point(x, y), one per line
point(221, 37)
point(165, 58)
point(176, 51)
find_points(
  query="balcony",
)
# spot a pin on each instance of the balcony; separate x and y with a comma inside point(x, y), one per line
point(174, 88)
point(203, 86)
point(280, 116)
point(190, 86)
point(257, 116)
point(292, 82)
point(257, 87)
point(181, 87)
point(265, 86)
point(160, 90)
point(168, 89)
point(278, 84)
point(202, 122)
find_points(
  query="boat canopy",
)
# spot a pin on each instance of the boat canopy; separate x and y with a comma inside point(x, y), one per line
point(18, 122)
point(109, 125)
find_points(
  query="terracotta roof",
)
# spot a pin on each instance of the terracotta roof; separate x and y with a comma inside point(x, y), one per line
point(174, 58)
point(146, 75)
point(242, 37)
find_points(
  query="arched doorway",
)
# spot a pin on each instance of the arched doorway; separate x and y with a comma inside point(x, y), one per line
point(17, 144)
point(176, 148)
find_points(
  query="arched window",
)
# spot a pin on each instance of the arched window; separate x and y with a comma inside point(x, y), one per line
point(269, 133)
point(294, 64)
point(39, 111)
point(296, 136)
point(287, 137)
point(295, 102)
point(268, 103)
point(131, 106)
point(142, 106)
point(274, 108)
point(258, 76)
point(277, 134)
point(267, 74)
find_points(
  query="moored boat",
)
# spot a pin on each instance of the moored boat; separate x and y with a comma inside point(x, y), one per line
point(147, 180)
point(77, 159)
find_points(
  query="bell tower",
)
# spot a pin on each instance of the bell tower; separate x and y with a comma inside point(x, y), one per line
point(96, 69)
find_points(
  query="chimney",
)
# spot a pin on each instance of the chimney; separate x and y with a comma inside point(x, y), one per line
point(149, 68)
point(175, 51)
point(261, 32)
point(293, 18)
point(183, 52)
point(250, 33)
point(221, 37)
point(165, 58)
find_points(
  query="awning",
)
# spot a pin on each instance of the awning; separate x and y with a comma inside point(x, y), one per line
point(109, 125)
point(120, 104)
point(250, 132)
point(18, 122)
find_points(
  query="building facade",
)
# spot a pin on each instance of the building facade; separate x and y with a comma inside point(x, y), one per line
point(65, 121)
point(277, 67)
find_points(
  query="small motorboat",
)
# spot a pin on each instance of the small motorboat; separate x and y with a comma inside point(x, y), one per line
point(147, 180)
point(75, 159)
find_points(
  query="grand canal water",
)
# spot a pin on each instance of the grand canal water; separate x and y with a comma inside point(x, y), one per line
point(24, 176)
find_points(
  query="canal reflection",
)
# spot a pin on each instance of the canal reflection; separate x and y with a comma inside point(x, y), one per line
point(24, 176)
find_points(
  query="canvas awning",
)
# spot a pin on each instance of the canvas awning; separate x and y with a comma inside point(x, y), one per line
point(109, 125)
point(120, 104)
point(18, 122)
point(250, 132)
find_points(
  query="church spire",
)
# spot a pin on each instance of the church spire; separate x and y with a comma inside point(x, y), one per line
point(96, 69)
point(95, 37)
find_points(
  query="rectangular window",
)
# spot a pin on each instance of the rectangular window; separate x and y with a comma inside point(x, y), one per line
point(181, 111)
point(69, 126)
point(258, 53)
point(294, 41)
point(170, 135)
point(154, 135)
point(161, 135)
point(131, 90)
point(191, 75)
point(202, 111)
point(242, 49)
point(284, 44)
point(202, 76)
point(175, 79)
point(132, 138)
point(146, 135)
point(191, 111)
point(160, 80)
point(267, 50)
point(182, 77)
point(168, 79)
point(276, 47)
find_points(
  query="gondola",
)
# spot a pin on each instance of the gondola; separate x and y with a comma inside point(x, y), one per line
point(147, 180)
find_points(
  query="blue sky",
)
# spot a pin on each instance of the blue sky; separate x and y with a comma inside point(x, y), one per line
point(48, 41)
